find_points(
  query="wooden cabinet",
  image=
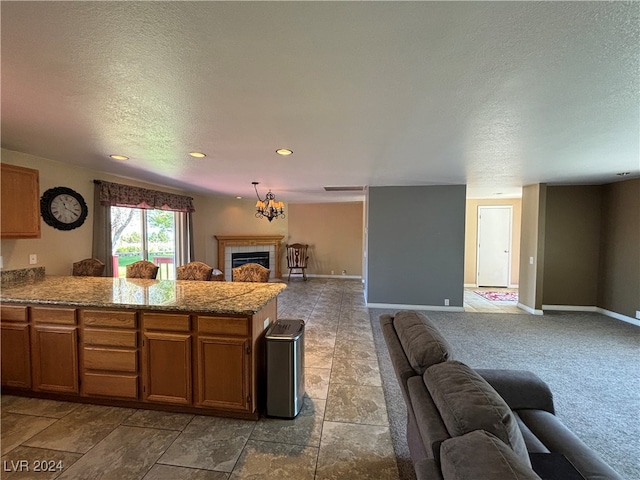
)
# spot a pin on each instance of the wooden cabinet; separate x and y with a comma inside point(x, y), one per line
point(109, 354)
point(54, 349)
point(223, 363)
point(166, 358)
point(15, 347)
point(201, 363)
point(19, 202)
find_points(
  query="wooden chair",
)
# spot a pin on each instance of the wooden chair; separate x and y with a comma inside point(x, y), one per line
point(142, 269)
point(250, 272)
point(194, 271)
point(297, 259)
point(89, 267)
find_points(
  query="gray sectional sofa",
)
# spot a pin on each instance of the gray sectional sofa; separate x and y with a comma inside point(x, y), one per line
point(465, 423)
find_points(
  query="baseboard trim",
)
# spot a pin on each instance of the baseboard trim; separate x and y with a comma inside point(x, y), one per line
point(590, 308)
point(570, 308)
point(402, 306)
point(619, 316)
point(530, 310)
point(317, 275)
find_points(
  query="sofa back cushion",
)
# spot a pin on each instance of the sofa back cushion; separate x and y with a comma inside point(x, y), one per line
point(479, 454)
point(421, 341)
point(466, 402)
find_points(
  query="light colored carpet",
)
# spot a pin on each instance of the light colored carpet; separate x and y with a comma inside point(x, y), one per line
point(591, 363)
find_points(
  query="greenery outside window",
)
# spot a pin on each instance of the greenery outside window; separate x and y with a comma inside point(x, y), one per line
point(134, 223)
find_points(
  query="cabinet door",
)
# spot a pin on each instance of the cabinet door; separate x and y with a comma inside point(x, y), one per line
point(16, 361)
point(223, 373)
point(55, 358)
point(20, 202)
point(167, 367)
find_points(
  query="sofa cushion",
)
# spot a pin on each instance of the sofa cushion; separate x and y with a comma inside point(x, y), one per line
point(466, 402)
point(421, 341)
point(479, 454)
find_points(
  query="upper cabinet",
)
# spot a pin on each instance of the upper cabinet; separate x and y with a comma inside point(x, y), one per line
point(20, 207)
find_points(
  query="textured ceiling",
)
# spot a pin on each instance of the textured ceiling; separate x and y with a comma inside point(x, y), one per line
point(495, 95)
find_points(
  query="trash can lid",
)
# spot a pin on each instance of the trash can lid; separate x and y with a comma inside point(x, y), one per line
point(285, 329)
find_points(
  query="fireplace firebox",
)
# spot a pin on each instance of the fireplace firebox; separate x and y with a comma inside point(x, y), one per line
point(261, 258)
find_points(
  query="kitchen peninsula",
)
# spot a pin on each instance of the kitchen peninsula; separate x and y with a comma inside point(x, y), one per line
point(185, 346)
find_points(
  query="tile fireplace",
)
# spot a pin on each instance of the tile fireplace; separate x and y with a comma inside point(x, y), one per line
point(244, 246)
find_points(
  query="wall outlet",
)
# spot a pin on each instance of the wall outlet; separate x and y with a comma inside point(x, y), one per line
point(333, 272)
point(33, 259)
point(344, 272)
point(446, 302)
point(530, 260)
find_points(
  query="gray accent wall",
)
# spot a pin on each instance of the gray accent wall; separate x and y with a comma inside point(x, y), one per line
point(415, 245)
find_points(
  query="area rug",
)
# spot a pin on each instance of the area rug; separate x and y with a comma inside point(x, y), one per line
point(497, 296)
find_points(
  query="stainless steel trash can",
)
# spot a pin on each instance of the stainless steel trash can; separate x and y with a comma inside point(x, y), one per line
point(284, 345)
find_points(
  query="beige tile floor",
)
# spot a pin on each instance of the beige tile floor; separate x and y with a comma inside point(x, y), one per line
point(342, 431)
point(475, 303)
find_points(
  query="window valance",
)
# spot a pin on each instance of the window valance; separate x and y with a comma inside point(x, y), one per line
point(118, 195)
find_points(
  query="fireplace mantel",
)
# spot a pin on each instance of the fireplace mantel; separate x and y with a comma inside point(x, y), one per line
point(245, 240)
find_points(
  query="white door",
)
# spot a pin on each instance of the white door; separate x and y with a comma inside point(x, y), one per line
point(494, 246)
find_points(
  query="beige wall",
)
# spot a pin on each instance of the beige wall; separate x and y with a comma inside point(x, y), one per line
point(230, 216)
point(532, 246)
point(334, 233)
point(471, 237)
point(57, 250)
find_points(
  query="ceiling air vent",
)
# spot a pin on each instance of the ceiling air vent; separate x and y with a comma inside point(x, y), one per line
point(351, 188)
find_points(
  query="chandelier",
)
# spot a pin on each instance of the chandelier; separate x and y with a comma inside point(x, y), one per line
point(268, 208)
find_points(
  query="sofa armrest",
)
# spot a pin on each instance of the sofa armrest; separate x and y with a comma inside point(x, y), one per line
point(521, 389)
point(559, 439)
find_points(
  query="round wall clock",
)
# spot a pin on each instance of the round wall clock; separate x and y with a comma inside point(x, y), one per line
point(63, 208)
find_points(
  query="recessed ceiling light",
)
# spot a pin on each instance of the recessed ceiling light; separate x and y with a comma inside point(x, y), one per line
point(197, 154)
point(119, 157)
point(284, 151)
point(239, 197)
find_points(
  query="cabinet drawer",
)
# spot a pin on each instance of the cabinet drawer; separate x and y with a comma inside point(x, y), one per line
point(166, 321)
point(65, 316)
point(11, 313)
point(223, 325)
point(109, 338)
point(108, 359)
point(110, 385)
point(106, 318)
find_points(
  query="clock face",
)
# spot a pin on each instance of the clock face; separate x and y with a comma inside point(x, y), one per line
point(66, 208)
point(63, 208)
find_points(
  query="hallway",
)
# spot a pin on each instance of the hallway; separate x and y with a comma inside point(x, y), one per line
point(474, 302)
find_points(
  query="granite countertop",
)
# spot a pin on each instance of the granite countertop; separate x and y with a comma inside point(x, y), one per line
point(162, 295)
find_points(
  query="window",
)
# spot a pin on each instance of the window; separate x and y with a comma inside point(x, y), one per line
point(146, 234)
point(133, 223)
